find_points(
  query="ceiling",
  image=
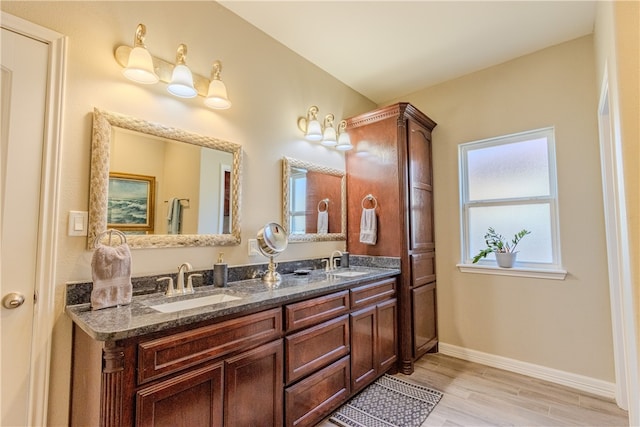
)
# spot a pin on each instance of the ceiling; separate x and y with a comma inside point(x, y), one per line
point(388, 49)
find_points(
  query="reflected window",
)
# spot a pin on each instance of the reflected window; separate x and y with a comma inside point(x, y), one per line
point(298, 197)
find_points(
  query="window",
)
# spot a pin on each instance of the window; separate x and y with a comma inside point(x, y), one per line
point(509, 183)
point(298, 197)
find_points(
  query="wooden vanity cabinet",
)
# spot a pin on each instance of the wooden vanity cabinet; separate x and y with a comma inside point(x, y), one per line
point(227, 373)
point(373, 332)
point(398, 172)
point(247, 371)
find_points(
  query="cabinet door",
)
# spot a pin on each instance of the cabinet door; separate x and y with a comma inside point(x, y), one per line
point(191, 399)
point(424, 319)
point(363, 347)
point(420, 187)
point(253, 387)
point(387, 334)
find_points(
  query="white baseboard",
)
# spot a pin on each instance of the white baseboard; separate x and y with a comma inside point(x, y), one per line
point(578, 382)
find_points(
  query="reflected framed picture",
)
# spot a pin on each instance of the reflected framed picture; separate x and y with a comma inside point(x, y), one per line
point(131, 202)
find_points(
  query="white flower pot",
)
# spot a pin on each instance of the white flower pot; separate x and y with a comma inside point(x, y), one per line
point(506, 259)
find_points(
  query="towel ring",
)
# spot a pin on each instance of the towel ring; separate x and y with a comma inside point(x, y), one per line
point(326, 205)
point(123, 238)
point(369, 197)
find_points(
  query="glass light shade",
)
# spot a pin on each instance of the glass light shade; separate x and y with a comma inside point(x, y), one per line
point(314, 131)
point(329, 137)
point(344, 142)
point(182, 82)
point(217, 96)
point(140, 67)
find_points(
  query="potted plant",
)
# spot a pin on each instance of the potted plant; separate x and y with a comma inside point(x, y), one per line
point(505, 251)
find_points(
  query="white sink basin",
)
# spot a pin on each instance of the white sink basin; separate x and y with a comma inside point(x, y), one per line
point(349, 273)
point(172, 307)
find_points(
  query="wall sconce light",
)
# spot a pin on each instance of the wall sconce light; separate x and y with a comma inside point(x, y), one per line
point(310, 125)
point(314, 131)
point(217, 93)
point(329, 137)
point(344, 142)
point(181, 83)
point(140, 66)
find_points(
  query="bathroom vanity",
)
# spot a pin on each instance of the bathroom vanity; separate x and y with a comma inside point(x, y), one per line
point(264, 356)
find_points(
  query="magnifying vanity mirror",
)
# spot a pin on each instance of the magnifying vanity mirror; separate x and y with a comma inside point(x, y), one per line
point(163, 187)
point(272, 240)
point(314, 201)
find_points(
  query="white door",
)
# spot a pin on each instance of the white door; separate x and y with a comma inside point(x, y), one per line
point(23, 106)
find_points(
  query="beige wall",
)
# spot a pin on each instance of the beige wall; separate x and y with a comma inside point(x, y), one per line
point(269, 86)
point(566, 324)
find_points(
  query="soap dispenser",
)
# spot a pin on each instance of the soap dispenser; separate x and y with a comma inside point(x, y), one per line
point(220, 272)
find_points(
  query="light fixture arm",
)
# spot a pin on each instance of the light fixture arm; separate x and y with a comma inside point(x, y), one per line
point(216, 70)
point(138, 38)
point(328, 120)
point(181, 54)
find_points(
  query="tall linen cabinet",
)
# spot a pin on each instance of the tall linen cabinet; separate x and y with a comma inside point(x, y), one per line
point(390, 169)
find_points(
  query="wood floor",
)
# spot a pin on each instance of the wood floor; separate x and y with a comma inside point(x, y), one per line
point(478, 395)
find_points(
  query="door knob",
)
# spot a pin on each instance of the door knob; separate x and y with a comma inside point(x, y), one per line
point(13, 300)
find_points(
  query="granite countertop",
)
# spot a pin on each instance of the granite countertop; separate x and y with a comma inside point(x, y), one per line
point(138, 318)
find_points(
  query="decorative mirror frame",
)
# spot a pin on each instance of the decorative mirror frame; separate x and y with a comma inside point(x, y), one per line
point(103, 122)
point(287, 164)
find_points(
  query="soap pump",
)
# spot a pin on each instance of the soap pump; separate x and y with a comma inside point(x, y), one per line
point(220, 272)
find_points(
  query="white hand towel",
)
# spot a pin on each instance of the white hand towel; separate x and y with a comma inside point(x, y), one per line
point(174, 216)
point(368, 227)
point(323, 222)
point(111, 273)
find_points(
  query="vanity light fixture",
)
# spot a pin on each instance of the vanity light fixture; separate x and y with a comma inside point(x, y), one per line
point(329, 138)
point(327, 135)
point(181, 83)
point(217, 94)
point(344, 142)
point(140, 66)
point(310, 125)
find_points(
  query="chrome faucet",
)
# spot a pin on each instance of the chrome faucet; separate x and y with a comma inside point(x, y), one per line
point(332, 260)
point(185, 266)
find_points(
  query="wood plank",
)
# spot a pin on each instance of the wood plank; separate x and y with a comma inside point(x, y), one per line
point(480, 395)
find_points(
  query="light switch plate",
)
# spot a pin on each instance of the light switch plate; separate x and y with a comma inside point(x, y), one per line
point(253, 247)
point(77, 223)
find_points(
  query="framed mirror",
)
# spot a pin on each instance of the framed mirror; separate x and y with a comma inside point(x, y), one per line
point(163, 187)
point(314, 201)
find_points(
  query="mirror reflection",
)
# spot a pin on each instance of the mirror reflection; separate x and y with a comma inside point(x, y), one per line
point(314, 201)
point(191, 184)
point(163, 187)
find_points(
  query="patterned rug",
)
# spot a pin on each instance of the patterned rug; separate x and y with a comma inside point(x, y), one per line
point(387, 402)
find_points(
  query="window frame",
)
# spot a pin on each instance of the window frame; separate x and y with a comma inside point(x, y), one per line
point(551, 270)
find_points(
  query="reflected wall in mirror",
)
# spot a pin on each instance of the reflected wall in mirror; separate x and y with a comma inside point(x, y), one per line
point(197, 184)
point(314, 201)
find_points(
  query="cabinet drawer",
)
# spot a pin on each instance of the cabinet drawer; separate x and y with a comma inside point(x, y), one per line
point(163, 356)
point(423, 268)
point(315, 347)
point(312, 399)
point(372, 293)
point(316, 310)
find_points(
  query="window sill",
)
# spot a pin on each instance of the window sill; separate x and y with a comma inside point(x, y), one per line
point(538, 273)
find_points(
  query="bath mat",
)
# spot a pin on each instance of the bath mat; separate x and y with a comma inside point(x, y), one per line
point(387, 402)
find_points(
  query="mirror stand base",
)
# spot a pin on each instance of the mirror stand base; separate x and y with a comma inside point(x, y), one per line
point(271, 276)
